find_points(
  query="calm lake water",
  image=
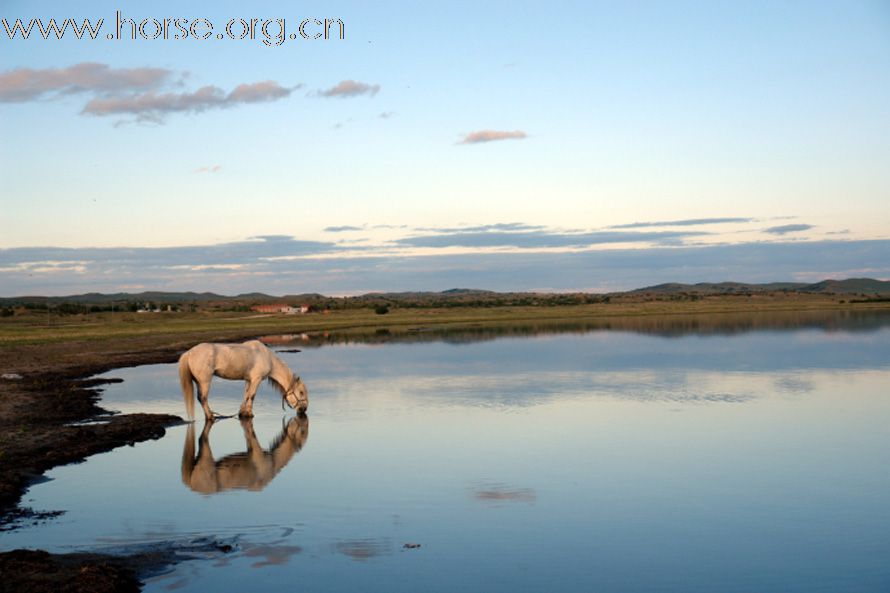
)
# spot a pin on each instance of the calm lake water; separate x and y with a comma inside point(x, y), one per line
point(733, 454)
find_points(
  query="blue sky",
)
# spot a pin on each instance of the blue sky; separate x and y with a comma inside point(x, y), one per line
point(505, 145)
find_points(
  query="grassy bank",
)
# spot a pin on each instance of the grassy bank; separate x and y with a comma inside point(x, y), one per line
point(39, 329)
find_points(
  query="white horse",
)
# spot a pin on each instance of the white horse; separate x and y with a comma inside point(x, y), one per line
point(251, 362)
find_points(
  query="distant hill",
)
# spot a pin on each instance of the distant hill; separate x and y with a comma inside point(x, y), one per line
point(717, 288)
point(97, 298)
point(309, 296)
point(456, 293)
point(466, 291)
point(849, 286)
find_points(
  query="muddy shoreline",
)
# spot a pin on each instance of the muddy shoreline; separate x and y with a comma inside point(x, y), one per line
point(51, 418)
point(37, 571)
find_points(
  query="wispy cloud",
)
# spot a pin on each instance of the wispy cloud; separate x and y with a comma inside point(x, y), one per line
point(683, 222)
point(211, 169)
point(148, 94)
point(282, 265)
point(499, 226)
point(28, 84)
point(260, 92)
point(350, 88)
point(542, 239)
point(386, 114)
point(279, 239)
point(218, 256)
point(45, 266)
point(788, 228)
point(483, 136)
point(341, 229)
point(154, 107)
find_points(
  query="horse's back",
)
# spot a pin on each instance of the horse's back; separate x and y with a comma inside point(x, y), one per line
point(200, 355)
point(230, 361)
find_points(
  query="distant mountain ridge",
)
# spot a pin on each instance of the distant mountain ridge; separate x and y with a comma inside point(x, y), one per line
point(156, 296)
point(848, 286)
point(867, 286)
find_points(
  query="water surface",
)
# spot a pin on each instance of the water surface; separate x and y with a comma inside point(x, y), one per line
point(669, 456)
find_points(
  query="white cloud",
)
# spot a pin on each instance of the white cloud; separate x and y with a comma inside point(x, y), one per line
point(483, 136)
point(350, 88)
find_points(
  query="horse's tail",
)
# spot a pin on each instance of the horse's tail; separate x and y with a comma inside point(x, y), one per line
point(186, 380)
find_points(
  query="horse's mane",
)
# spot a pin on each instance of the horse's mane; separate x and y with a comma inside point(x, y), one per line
point(280, 438)
point(298, 442)
point(277, 440)
point(281, 389)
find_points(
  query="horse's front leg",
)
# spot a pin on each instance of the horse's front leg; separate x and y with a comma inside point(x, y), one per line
point(250, 388)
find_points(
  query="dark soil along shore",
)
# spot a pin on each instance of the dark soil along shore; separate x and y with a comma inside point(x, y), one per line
point(37, 571)
point(45, 421)
point(48, 418)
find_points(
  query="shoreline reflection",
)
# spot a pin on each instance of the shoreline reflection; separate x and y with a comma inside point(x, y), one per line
point(663, 326)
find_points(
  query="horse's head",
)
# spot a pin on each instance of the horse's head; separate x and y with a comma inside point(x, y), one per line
point(296, 395)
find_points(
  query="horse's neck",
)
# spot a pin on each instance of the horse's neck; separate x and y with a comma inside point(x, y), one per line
point(280, 373)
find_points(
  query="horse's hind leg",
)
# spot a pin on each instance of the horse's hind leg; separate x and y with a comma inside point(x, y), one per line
point(203, 393)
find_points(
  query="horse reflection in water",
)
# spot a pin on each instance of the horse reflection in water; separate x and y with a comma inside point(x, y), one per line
point(251, 470)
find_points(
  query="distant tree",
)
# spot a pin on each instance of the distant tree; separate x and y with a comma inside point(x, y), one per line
point(381, 309)
point(6, 312)
point(70, 309)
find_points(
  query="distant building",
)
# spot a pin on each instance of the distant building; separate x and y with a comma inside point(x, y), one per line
point(149, 309)
point(280, 308)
